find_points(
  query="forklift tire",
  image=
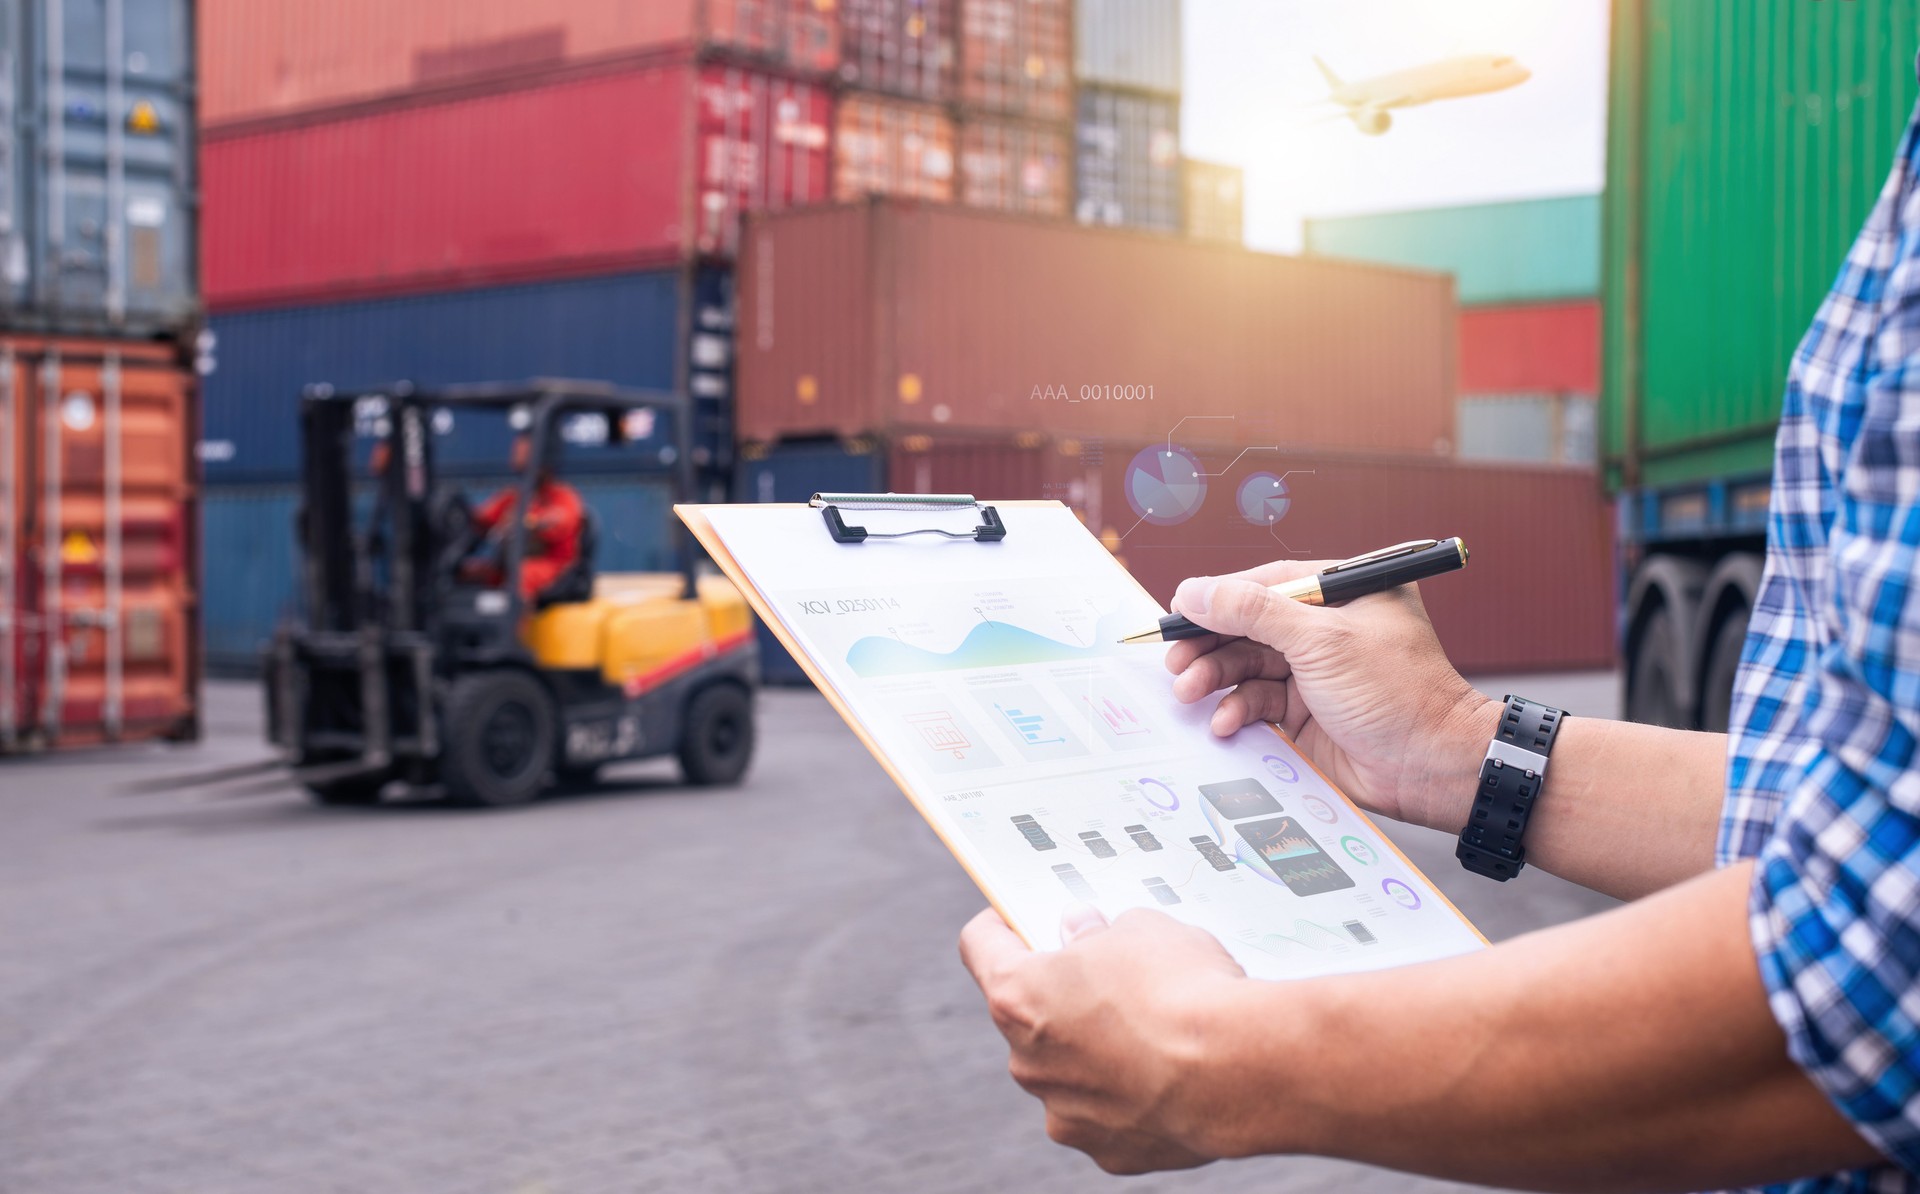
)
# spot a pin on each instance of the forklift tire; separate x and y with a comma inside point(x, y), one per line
point(500, 735)
point(357, 791)
point(716, 740)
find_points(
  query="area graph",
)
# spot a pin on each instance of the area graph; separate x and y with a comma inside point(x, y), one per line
point(987, 644)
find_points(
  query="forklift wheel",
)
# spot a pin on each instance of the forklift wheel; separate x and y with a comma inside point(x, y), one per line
point(717, 740)
point(500, 734)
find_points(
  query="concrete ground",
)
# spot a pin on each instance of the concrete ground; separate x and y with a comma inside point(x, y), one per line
point(646, 988)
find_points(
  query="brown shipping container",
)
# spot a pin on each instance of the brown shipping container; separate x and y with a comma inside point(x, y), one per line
point(893, 316)
point(1215, 197)
point(1008, 165)
point(891, 147)
point(901, 47)
point(267, 58)
point(98, 606)
point(1016, 56)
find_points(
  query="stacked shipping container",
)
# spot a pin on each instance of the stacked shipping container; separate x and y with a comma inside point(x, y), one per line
point(1127, 136)
point(99, 313)
point(1529, 281)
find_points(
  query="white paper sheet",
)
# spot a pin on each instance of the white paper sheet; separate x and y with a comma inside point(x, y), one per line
point(1055, 762)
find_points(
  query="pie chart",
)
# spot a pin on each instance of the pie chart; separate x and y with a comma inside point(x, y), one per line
point(1165, 485)
point(1263, 499)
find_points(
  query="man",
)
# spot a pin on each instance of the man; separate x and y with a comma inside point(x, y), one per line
point(553, 524)
point(1752, 1016)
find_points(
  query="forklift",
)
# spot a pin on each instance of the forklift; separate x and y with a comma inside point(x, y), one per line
point(412, 662)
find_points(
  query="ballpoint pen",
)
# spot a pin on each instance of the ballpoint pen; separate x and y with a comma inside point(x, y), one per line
point(1374, 572)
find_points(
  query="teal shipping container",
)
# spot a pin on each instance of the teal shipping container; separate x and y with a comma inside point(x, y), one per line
point(1531, 250)
point(248, 533)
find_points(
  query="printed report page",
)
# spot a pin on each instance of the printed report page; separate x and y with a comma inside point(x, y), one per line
point(1055, 762)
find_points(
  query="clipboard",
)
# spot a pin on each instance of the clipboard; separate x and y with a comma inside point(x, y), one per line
point(1295, 879)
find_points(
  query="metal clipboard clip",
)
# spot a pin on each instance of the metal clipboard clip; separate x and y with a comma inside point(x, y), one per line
point(990, 530)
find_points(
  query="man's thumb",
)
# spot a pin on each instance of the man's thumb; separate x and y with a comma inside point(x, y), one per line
point(1081, 920)
point(1232, 606)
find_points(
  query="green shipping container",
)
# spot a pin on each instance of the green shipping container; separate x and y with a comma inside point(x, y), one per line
point(1532, 250)
point(1747, 142)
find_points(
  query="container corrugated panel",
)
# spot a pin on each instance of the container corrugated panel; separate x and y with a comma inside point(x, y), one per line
point(891, 147)
point(1128, 43)
point(903, 317)
point(272, 58)
point(762, 146)
point(1532, 250)
point(622, 328)
point(98, 604)
point(1016, 57)
point(1009, 165)
point(1557, 560)
point(1535, 348)
point(250, 538)
point(794, 472)
point(537, 181)
point(1531, 428)
point(901, 47)
point(1215, 197)
point(98, 221)
point(1128, 164)
point(1748, 140)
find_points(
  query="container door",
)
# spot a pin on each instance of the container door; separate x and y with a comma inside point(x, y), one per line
point(115, 596)
point(16, 670)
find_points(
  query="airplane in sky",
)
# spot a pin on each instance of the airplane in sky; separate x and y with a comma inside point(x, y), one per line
point(1369, 103)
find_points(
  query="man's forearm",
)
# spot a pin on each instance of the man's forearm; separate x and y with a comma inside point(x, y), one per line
point(1632, 1050)
point(1627, 809)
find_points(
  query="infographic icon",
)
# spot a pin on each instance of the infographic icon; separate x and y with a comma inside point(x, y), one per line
point(1263, 499)
point(1165, 484)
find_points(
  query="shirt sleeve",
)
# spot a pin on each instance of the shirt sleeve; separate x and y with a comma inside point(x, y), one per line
point(1835, 906)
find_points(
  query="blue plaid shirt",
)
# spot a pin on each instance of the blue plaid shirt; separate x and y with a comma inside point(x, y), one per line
point(1823, 783)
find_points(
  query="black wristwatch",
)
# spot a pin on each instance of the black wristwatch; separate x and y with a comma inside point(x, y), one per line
point(1510, 779)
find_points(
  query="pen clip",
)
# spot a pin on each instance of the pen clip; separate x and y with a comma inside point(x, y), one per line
point(1385, 553)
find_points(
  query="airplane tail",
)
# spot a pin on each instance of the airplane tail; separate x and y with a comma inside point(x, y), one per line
point(1334, 82)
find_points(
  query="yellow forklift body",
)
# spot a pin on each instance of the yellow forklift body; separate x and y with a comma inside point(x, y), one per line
point(638, 628)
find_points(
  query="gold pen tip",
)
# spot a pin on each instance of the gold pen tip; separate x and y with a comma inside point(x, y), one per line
point(1145, 636)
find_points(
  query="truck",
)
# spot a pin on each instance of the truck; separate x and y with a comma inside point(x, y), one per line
point(1747, 143)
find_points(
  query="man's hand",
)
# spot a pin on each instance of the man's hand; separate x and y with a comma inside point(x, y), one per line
point(1110, 1032)
point(1365, 688)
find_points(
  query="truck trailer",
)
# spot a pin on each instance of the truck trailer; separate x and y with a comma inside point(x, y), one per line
point(1747, 143)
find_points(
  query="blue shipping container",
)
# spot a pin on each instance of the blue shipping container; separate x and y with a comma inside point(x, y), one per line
point(98, 217)
point(622, 328)
point(1128, 160)
point(1527, 250)
point(1128, 43)
point(794, 472)
point(249, 546)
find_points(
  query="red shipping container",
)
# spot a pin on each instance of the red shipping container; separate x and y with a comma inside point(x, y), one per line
point(576, 176)
point(892, 316)
point(892, 147)
point(1551, 348)
point(1008, 165)
point(1016, 57)
point(98, 531)
point(266, 58)
point(901, 47)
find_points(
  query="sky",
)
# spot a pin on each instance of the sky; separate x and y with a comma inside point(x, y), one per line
point(1251, 86)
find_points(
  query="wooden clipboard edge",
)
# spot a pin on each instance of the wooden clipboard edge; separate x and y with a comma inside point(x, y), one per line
point(695, 517)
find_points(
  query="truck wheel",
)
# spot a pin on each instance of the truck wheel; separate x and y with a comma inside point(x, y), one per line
point(357, 792)
point(499, 739)
point(716, 740)
point(1653, 694)
point(1716, 691)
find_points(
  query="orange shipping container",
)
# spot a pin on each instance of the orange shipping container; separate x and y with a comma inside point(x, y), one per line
point(892, 147)
point(1015, 57)
point(98, 638)
point(893, 316)
point(1008, 165)
point(264, 58)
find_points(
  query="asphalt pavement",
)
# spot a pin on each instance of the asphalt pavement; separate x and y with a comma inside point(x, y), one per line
point(645, 988)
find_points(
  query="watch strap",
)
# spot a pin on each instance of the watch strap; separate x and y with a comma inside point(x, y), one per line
point(1510, 780)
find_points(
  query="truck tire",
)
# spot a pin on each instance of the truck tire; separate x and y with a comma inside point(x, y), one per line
point(500, 728)
point(716, 738)
point(1653, 689)
point(1723, 662)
